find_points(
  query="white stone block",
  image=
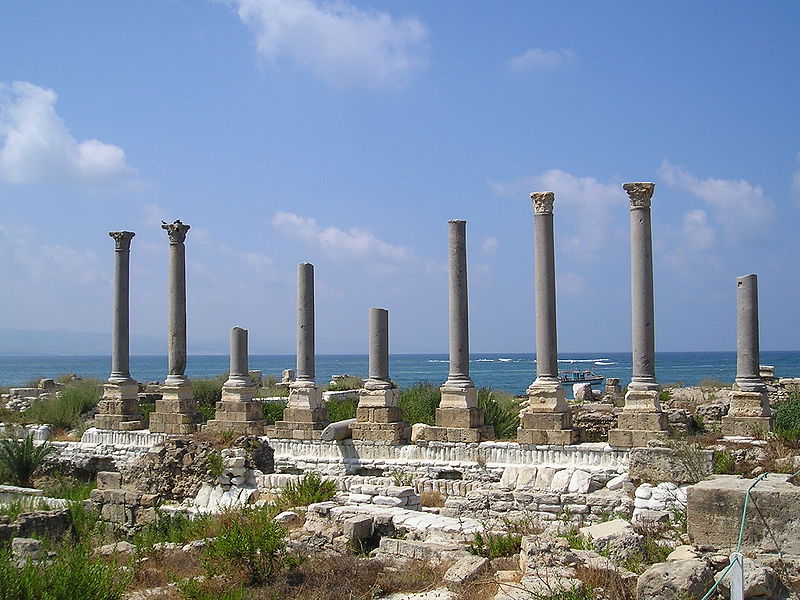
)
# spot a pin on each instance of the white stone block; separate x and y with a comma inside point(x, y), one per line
point(580, 482)
point(561, 479)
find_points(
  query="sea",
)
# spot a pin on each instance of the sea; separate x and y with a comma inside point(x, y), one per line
point(512, 373)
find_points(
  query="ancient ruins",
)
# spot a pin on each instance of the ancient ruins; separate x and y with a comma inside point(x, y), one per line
point(587, 478)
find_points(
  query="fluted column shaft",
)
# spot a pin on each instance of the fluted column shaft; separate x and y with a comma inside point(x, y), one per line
point(458, 306)
point(545, 289)
point(120, 333)
point(176, 341)
point(305, 322)
point(642, 307)
point(747, 351)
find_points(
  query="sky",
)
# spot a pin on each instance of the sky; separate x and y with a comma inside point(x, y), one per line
point(348, 133)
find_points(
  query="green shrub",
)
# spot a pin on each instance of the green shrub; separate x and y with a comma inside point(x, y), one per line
point(273, 411)
point(308, 489)
point(20, 458)
point(419, 403)
point(577, 541)
point(664, 395)
point(339, 410)
point(62, 411)
point(214, 463)
point(270, 388)
point(208, 392)
point(73, 574)
point(58, 485)
point(787, 417)
point(350, 382)
point(724, 462)
point(501, 411)
point(177, 528)
point(495, 545)
point(251, 543)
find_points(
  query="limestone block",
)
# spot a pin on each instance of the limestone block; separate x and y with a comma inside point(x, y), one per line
point(287, 517)
point(546, 399)
point(675, 580)
point(684, 552)
point(121, 391)
point(305, 397)
point(305, 415)
point(377, 398)
point(378, 414)
point(459, 417)
point(642, 401)
point(108, 480)
point(358, 528)
point(746, 426)
point(628, 438)
point(714, 510)
point(684, 465)
point(238, 394)
point(464, 571)
point(749, 404)
point(26, 548)
point(561, 479)
point(545, 420)
point(454, 397)
point(642, 421)
point(616, 538)
point(390, 433)
point(556, 437)
point(580, 482)
point(176, 392)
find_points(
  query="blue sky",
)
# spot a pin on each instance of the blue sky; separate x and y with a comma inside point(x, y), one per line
point(347, 134)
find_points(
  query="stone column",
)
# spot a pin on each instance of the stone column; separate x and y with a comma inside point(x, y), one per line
point(458, 418)
point(378, 416)
point(546, 419)
point(305, 415)
point(176, 412)
point(119, 408)
point(750, 412)
point(237, 411)
point(642, 418)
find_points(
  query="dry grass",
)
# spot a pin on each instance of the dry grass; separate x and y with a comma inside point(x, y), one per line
point(607, 584)
point(432, 498)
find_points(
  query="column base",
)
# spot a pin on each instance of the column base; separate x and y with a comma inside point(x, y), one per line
point(292, 430)
point(382, 398)
point(546, 419)
point(746, 426)
point(238, 412)
point(428, 433)
point(119, 408)
point(390, 433)
point(304, 417)
point(238, 427)
point(749, 404)
point(640, 421)
point(176, 411)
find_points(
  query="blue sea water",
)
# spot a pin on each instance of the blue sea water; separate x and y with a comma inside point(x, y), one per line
point(510, 372)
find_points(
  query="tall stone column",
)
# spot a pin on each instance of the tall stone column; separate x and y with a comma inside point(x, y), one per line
point(176, 412)
point(750, 412)
point(458, 418)
point(546, 419)
point(642, 418)
point(378, 416)
point(119, 408)
point(305, 415)
point(237, 411)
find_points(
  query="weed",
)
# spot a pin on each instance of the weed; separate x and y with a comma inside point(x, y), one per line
point(501, 411)
point(307, 490)
point(432, 498)
point(495, 545)
point(401, 478)
point(577, 541)
point(419, 403)
point(724, 462)
point(176, 528)
point(63, 410)
point(341, 409)
point(20, 458)
point(787, 417)
point(214, 463)
point(271, 387)
point(57, 485)
point(273, 411)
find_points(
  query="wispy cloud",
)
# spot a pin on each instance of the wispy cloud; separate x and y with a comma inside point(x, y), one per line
point(570, 283)
point(355, 243)
point(490, 244)
point(341, 44)
point(740, 207)
point(537, 60)
point(38, 146)
point(590, 207)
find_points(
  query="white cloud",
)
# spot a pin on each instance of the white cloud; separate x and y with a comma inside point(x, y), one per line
point(490, 244)
point(338, 42)
point(739, 206)
point(256, 261)
point(696, 232)
point(571, 284)
point(538, 60)
point(355, 243)
point(587, 212)
point(38, 146)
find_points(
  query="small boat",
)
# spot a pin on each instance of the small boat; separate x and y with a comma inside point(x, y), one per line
point(568, 378)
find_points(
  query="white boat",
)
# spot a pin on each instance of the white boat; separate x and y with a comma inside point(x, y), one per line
point(568, 378)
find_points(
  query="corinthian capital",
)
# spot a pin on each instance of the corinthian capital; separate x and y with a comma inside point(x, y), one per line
point(639, 193)
point(122, 240)
point(543, 202)
point(176, 231)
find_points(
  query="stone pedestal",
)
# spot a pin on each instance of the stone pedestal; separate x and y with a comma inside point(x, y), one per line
point(546, 418)
point(458, 418)
point(640, 421)
point(749, 414)
point(304, 417)
point(176, 411)
point(119, 408)
point(378, 418)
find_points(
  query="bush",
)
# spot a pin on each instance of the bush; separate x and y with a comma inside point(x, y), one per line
point(273, 411)
point(419, 403)
point(20, 458)
point(787, 417)
point(58, 485)
point(339, 410)
point(501, 411)
point(208, 392)
point(349, 382)
point(73, 574)
point(250, 542)
point(63, 410)
point(724, 462)
point(307, 490)
point(177, 528)
point(495, 545)
point(270, 388)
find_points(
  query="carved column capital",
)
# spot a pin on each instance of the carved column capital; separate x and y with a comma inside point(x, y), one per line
point(122, 240)
point(176, 231)
point(543, 202)
point(640, 193)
